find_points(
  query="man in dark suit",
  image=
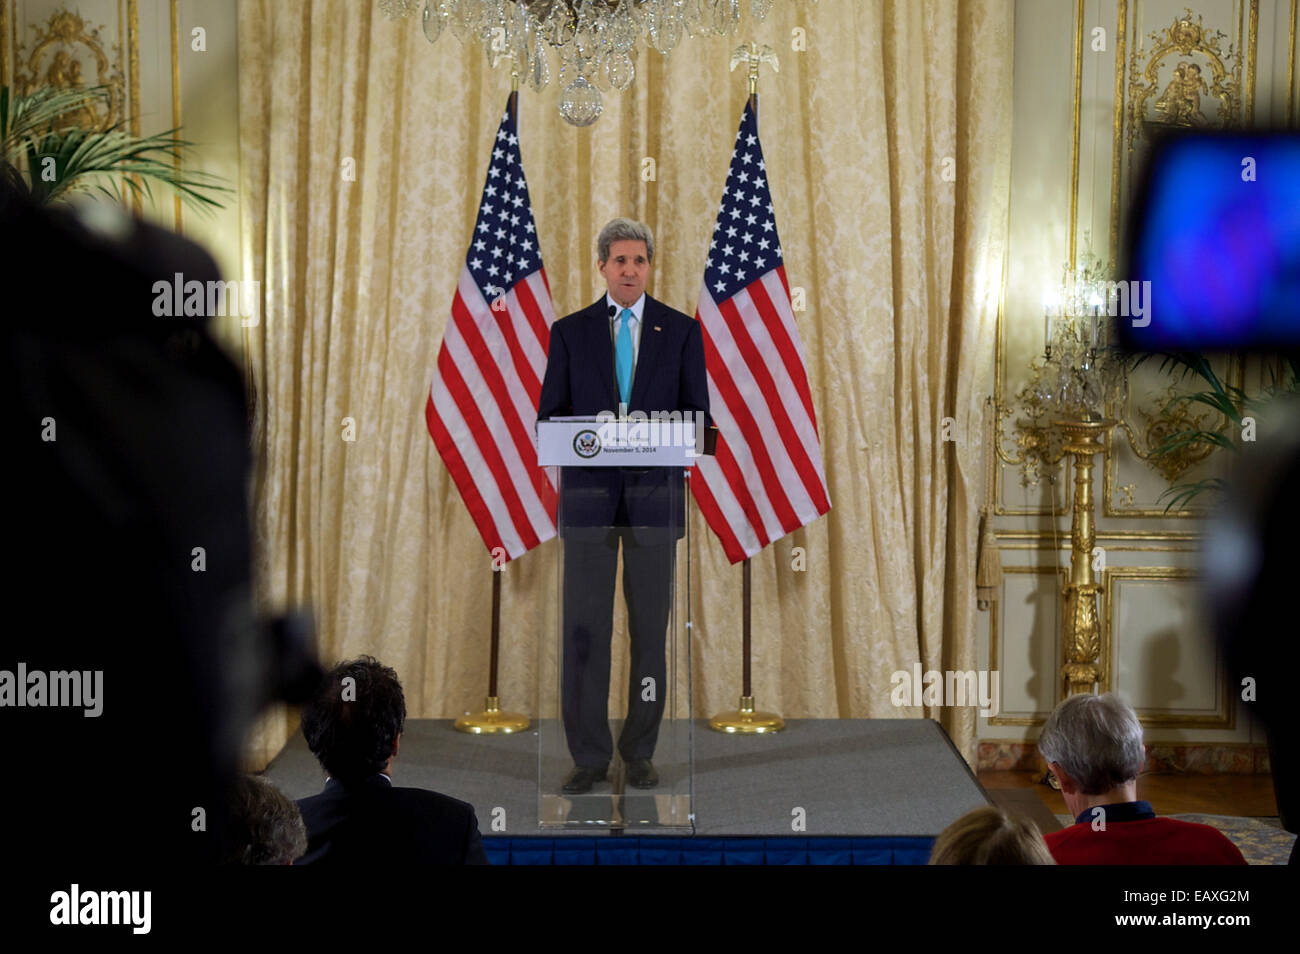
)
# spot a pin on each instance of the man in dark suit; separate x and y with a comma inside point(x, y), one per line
point(628, 352)
point(353, 725)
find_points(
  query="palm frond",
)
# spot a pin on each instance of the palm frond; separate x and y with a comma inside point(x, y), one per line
point(27, 117)
point(1188, 438)
point(1183, 493)
point(64, 159)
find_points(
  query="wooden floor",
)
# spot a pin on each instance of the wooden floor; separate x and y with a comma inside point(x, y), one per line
point(1245, 795)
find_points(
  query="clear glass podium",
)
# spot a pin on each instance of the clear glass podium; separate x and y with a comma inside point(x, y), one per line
point(614, 670)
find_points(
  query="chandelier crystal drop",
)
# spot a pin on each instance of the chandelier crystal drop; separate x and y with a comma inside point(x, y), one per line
point(433, 19)
point(580, 103)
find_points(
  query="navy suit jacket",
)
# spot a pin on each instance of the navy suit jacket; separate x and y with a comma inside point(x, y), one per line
point(375, 823)
point(580, 381)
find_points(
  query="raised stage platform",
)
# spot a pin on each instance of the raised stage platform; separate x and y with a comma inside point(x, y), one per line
point(872, 791)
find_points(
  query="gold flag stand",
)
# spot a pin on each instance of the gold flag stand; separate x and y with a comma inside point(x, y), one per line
point(746, 720)
point(492, 720)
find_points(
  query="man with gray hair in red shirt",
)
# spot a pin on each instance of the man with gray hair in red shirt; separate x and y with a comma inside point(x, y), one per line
point(1093, 745)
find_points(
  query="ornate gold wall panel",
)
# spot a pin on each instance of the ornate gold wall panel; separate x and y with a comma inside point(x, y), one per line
point(1177, 67)
point(995, 653)
point(1225, 715)
point(67, 51)
point(1222, 719)
point(1160, 51)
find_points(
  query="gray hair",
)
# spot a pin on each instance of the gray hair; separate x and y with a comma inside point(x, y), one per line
point(1096, 739)
point(266, 827)
point(618, 230)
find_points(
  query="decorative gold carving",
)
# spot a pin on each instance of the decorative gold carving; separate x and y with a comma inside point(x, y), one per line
point(62, 51)
point(1176, 416)
point(1081, 624)
point(1156, 427)
point(1037, 440)
point(1179, 103)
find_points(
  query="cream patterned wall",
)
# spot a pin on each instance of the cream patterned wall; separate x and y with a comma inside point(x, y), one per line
point(1088, 75)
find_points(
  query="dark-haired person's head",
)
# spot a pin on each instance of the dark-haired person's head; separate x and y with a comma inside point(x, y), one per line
point(353, 721)
point(265, 825)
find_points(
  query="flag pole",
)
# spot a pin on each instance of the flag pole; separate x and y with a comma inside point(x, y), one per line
point(491, 720)
point(746, 720)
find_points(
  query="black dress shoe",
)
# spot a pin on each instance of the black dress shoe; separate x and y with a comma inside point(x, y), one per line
point(582, 778)
point(641, 774)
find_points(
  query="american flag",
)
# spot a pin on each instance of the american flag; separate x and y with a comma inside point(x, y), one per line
point(767, 479)
point(482, 407)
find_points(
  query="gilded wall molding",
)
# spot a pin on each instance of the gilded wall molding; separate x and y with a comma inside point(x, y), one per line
point(1226, 717)
point(1290, 64)
point(1189, 40)
point(4, 42)
point(1075, 133)
point(1197, 66)
point(1184, 535)
point(174, 25)
point(133, 78)
point(995, 652)
point(1116, 151)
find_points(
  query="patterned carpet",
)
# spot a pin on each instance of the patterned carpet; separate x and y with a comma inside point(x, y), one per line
point(1263, 841)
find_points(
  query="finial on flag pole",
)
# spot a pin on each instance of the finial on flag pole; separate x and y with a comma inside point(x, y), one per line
point(751, 53)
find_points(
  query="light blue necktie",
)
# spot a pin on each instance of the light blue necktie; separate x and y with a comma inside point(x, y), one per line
point(623, 355)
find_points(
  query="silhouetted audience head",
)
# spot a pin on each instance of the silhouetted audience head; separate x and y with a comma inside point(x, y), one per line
point(988, 836)
point(352, 722)
point(1097, 740)
point(265, 826)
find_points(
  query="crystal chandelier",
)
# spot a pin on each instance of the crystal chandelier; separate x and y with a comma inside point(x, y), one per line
point(1081, 376)
point(1085, 374)
point(593, 42)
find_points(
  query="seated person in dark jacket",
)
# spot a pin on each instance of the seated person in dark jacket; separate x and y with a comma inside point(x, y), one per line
point(352, 726)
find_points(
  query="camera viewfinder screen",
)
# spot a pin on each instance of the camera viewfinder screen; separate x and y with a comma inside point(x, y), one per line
point(1218, 236)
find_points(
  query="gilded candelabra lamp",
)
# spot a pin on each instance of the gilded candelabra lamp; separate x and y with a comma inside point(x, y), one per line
point(1079, 377)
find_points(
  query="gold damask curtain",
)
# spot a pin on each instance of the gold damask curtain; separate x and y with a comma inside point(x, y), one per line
point(887, 144)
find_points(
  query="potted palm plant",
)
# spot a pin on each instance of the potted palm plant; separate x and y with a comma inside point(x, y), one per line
point(43, 135)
